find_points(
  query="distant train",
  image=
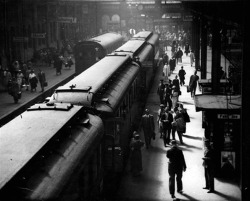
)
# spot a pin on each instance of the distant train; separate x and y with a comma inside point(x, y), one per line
point(73, 146)
point(90, 51)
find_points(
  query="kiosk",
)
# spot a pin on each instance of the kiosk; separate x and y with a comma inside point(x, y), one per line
point(221, 121)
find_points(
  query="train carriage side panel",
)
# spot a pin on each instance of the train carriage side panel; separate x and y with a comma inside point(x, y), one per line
point(56, 171)
point(90, 51)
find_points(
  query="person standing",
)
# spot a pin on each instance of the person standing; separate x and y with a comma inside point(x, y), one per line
point(176, 83)
point(172, 64)
point(160, 113)
point(42, 79)
point(176, 167)
point(148, 127)
point(208, 164)
point(160, 91)
point(187, 46)
point(33, 81)
point(193, 83)
point(166, 72)
point(182, 74)
point(19, 79)
point(167, 96)
point(136, 157)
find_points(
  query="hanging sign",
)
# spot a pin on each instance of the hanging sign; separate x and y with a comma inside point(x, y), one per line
point(228, 116)
point(38, 35)
point(20, 39)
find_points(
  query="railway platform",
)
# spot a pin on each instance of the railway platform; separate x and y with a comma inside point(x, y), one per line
point(153, 182)
point(9, 109)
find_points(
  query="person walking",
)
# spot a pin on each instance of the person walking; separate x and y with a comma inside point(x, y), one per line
point(182, 74)
point(136, 157)
point(175, 96)
point(176, 166)
point(208, 164)
point(42, 79)
point(180, 125)
point(167, 119)
point(192, 59)
point(160, 113)
point(148, 127)
point(167, 96)
point(172, 64)
point(179, 55)
point(193, 83)
point(176, 83)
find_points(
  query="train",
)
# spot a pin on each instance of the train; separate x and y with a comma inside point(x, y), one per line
point(88, 52)
point(76, 144)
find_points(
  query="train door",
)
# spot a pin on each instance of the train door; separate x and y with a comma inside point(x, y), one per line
point(113, 151)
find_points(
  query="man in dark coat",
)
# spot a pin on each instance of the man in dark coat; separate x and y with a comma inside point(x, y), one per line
point(160, 91)
point(148, 127)
point(182, 74)
point(176, 166)
point(208, 163)
point(193, 83)
point(42, 79)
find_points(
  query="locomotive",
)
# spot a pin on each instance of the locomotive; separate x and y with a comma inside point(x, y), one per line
point(73, 146)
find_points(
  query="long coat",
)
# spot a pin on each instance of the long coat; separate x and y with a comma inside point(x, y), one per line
point(148, 125)
point(136, 156)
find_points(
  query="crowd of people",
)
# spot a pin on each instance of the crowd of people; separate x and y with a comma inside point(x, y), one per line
point(28, 75)
point(172, 118)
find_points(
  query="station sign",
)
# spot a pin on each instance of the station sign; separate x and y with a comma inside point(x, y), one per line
point(66, 19)
point(20, 39)
point(228, 116)
point(38, 35)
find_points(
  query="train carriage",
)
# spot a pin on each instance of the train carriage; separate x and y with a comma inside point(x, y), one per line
point(107, 100)
point(49, 153)
point(88, 52)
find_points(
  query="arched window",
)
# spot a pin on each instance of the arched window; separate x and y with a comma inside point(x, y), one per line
point(105, 21)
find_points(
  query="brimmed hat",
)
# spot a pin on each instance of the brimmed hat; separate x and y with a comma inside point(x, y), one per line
point(137, 137)
point(173, 142)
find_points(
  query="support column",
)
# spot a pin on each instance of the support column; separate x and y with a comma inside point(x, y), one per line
point(216, 56)
point(245, 126)
point(203, 48)
point(197, 44)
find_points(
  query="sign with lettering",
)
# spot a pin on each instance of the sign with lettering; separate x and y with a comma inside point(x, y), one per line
point(228, 116)
point(66, 19)
point(38, 35)
point(20, 39)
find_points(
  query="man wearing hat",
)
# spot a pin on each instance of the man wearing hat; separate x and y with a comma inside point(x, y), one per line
point(176, 166)
point(148, 127)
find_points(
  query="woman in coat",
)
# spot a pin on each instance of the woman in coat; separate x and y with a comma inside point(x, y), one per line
point(136, 156)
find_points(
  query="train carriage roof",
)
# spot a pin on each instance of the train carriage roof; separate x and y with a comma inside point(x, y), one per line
point(104, 40)
point(143, 35)
point(131, 47)
point(109, 102)
point(154, 39)
point(24, 136)
point(81, 89)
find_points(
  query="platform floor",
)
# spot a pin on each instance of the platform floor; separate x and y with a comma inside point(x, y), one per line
point(152, 184)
